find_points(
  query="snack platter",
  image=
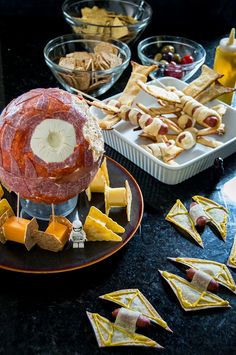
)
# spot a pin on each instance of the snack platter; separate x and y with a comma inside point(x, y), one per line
point(126, 141)
point(16, 257)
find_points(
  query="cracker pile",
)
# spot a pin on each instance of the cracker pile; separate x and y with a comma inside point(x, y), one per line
point(85, 64)
point(105, 20)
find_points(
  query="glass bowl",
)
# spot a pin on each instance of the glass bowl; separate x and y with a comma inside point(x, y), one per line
point(95, 28)
point(149, 47)
point(93, 82)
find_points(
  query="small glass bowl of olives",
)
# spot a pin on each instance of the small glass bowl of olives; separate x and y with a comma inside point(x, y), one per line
point(177, 57)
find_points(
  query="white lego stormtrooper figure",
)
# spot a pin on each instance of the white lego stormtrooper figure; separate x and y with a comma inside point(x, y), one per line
point(77, 236)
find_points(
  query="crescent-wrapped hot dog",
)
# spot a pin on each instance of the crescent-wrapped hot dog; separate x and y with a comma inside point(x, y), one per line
point(198, 215)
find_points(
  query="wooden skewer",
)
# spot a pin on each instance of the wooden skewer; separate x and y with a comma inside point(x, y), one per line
point(86, 95)
point(18, 207)
point(53, 214)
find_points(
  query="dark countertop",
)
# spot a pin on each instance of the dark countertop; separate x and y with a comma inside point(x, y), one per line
point(45, 314)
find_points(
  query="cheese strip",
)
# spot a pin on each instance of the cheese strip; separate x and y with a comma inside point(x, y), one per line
point(127, 319)
point(201, 280)
point(195, 212)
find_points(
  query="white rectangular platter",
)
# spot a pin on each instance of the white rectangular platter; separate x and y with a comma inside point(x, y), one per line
point(127, 142)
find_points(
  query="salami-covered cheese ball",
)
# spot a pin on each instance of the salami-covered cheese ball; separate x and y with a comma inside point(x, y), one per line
point(50, 145)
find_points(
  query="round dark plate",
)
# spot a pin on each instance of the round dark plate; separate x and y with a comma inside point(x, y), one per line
point(15, 257)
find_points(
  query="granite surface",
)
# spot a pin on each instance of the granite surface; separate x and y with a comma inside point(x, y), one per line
point(45, 314)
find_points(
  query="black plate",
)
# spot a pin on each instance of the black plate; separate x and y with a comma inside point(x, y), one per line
point(15, 257)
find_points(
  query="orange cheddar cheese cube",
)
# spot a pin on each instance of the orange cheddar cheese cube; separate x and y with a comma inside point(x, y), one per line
point(59, 230)
point(14, 229)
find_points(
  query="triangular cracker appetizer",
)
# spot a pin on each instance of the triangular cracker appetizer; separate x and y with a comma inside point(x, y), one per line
point(217, 214)
point(219, 272)
point(134, 300)
point(109, 334)
point(192, 298)
point(232, 257)
point(179, 216)
point(99, 227)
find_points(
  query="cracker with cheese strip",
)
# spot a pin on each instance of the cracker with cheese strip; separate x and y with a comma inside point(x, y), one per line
point(217, 214)
point(56, 235)
point(232, 257)
point(99, 227)
point(179, 216)
point(192, 297)
point(219, 272)
point(134, 300)
point(110, 334)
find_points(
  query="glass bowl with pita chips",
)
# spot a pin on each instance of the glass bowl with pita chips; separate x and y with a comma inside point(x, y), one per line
point(86, 65)
point(177, 57)
point(107, 19)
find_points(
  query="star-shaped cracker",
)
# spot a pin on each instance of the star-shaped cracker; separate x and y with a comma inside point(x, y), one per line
point(109, 334)
point(134, 300)
point(217, 214)
point(191, 297)
point(180, 217)
point(219, 272)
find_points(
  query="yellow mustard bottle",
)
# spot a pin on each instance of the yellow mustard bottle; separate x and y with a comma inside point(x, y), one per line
point(225, 63)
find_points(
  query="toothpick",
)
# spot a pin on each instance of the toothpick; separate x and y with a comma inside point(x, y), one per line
point(18, 206)
point(53, 213)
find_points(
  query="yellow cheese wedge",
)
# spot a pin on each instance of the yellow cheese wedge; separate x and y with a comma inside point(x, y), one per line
point(217, 214)
point(1, 191)
point(109, 334)
point(96, 230)
point(4, 206)
point(56, 234)
point(134, 300)
point(100, 180)
point(191, 297)
point(20, 230)
point(219, 272)
point(110, 224)
point(179, 216)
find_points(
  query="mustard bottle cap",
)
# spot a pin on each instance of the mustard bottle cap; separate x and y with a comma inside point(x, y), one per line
point(229, 44)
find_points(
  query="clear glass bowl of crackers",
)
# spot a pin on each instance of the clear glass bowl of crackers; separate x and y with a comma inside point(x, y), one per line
point(86, 65)
point(177, 57)
point(105, 20)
